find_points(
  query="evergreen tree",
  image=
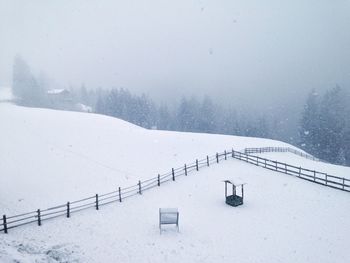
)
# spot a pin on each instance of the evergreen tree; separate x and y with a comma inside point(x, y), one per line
point(332, 124)
point(83, 95)
point(346, 145)
point(185, 116)
point(346, 132)
point(309, 131)
point(262, 128)
point(228, 122)
point(144, 111)
point(100, 106)
point(164, 118)
point(24, 85)
point(206, 116)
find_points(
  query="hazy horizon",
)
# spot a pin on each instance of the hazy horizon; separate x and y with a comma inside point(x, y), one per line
point(251, 54)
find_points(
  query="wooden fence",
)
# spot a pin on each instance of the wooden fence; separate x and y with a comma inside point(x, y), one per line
point(314, 176)
point(119, 194)
point(280, 149)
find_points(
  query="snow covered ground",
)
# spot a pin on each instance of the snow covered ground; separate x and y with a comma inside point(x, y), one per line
point(292, 159)
point(49, 157)
point(46, 151)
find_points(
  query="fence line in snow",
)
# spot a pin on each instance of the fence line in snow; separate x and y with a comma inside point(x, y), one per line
point(98, 200)
point(280, 149)
point(314, 176)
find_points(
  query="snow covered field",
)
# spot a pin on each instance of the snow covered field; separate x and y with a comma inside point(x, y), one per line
point(292, 159)
point(67, 155)
point(84, 154)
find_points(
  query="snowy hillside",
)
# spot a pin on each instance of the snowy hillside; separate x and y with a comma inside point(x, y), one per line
point(87, 153)
point(67, 155)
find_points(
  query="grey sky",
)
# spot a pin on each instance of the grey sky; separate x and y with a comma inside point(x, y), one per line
point(239, 51)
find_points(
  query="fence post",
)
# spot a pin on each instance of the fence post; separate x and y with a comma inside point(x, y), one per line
point(276, 165)
point(197, 165)
point(314, 176)
point(207, 160)
point(68, 209)
point(140, 190)
point(158, 179)
point(326, 179)
point(173, 173)
point(265, 162)
point(233, 153)
point(217, 157)
point(285, 167)
point(120, 194)
point(5, 223)
point(299, 171)
point(257, 161)
point(343, 183)
point(39, 217)
point(185, 169)
point(225, 155)
point(96, 197)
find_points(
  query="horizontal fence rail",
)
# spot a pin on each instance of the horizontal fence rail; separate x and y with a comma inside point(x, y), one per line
point(120, 194)
point(280, 149)
point(314, 176)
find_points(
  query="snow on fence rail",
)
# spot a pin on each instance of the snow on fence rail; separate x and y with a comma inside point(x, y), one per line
point(98, 200)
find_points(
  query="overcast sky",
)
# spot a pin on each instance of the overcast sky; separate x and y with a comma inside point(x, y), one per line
point(239, 51)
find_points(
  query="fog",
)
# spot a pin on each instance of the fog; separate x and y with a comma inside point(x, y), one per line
point(245, 52)
point(255, 56)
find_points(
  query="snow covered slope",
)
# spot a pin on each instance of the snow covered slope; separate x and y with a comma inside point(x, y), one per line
point(49, 157)
point(44, 152)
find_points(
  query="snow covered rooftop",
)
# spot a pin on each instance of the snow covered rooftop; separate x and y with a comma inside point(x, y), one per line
point(57, 91)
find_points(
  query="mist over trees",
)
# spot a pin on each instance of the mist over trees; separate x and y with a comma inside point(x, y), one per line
point(189, 115)
point(26, 88)
point(34, 90)
point(325, 126)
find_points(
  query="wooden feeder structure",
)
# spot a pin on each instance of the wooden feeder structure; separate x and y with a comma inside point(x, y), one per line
point(234, 199)
point(168, 216)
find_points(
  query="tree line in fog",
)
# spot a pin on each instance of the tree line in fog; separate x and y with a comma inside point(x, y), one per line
point(324, 129)
point(325, 125)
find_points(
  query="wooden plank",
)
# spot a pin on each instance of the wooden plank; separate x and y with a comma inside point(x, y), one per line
point(120, 193)
point(5, 224)
point(68, 209)
point(39, 217)
point(96, 201)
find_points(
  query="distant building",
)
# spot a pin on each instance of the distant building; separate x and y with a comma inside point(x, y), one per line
point(60, 99)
